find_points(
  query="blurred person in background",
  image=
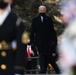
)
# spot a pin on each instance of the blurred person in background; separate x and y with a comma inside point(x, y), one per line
point(67, 45)
point(12, 60)
point(31, 54)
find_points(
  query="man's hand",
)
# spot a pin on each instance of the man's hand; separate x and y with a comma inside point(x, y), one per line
point(53, 54)
point(17, 74)
point(32, 52)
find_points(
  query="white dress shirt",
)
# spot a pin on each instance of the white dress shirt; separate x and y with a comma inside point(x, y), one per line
point(42, 18)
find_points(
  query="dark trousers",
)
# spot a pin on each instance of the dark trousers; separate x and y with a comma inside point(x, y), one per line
point(44, 61)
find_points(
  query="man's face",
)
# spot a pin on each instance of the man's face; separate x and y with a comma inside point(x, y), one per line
point(65, 17)
point(9, 1)
point(42, 10)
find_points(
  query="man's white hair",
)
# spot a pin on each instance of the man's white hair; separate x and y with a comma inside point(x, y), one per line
point(42, 6)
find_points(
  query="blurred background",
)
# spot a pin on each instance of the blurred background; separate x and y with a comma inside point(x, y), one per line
point(28, 9)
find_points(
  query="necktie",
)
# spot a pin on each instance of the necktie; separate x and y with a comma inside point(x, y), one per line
point(41, 19)
point(28, 53)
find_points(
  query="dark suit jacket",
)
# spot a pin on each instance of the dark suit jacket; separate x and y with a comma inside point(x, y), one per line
point(10, 31)
point(43, 35)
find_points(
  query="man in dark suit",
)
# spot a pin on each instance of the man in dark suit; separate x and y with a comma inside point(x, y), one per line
point(44, 37)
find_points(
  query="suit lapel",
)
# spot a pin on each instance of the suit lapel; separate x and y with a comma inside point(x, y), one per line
point(39, 19)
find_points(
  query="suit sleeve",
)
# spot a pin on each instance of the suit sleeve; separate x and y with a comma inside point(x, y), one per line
point(20, 52)
point(54, 35)
point(32, 35)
